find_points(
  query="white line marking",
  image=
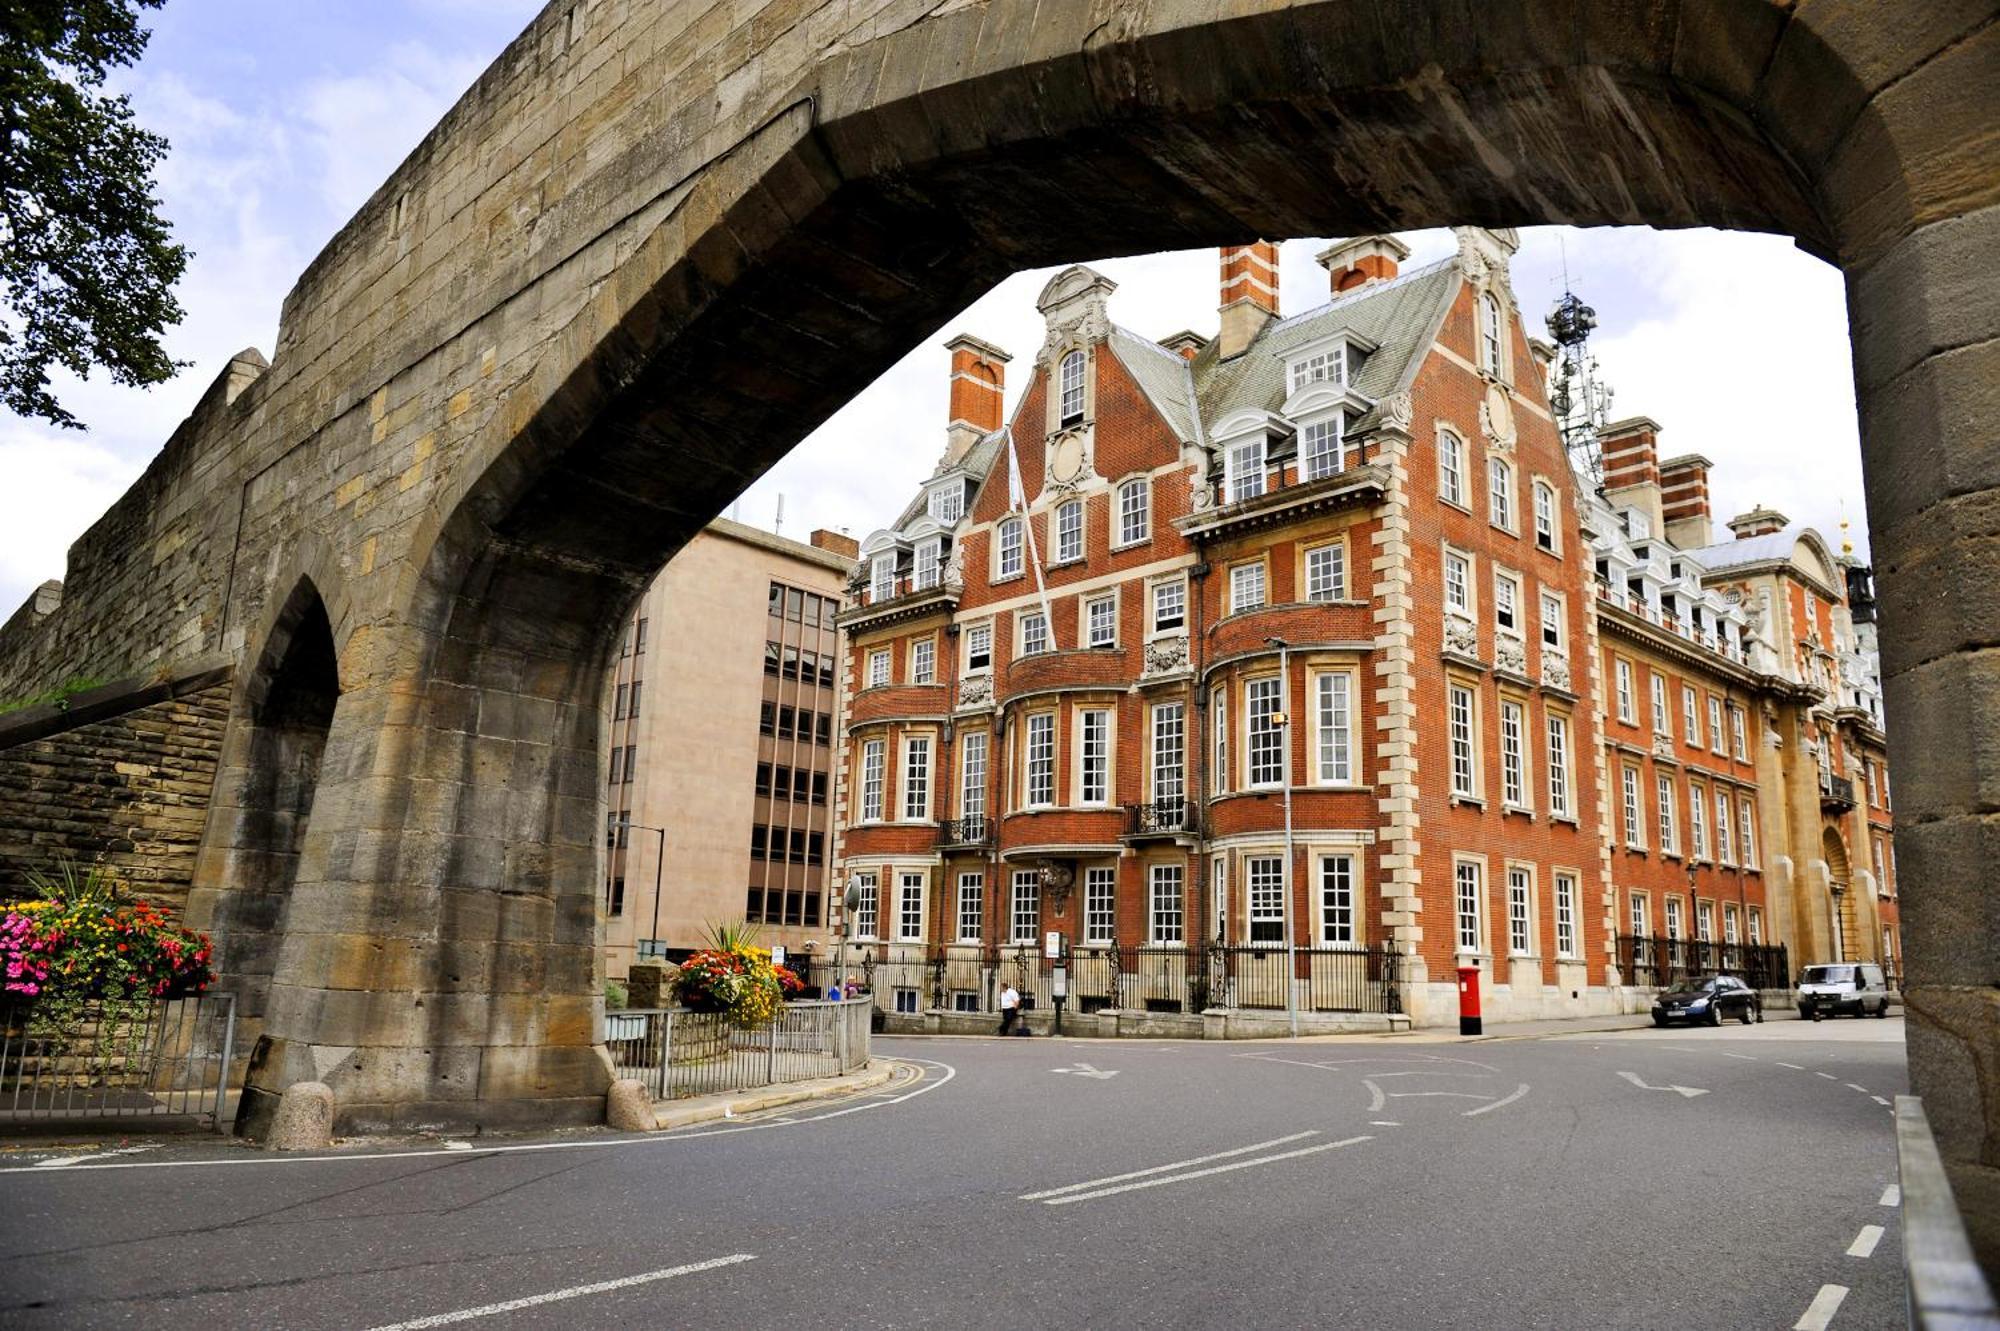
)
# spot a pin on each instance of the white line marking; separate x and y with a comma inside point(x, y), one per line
point(73, 1161)
point(1878, 1099)
point(1864, 1242)
point(1793, 1066)
point(1161, 1169)
point(1824, 1305)
point(1892, 1195)
point(1379, 1099)
point(1087, 1070)
point(1204, 1173)
point(658, 1139)
point(1745, 1057)
point(1497, 1104)
point(1383, 1123)
point(1828, 1075)
point(573, 1292)
point(1852, 1087)
point(1435, 1095)
point(1687, 1092)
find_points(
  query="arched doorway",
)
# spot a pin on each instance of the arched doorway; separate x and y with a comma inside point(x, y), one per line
point(1839, 906)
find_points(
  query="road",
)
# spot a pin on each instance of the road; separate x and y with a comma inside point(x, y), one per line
point(1739, 1177)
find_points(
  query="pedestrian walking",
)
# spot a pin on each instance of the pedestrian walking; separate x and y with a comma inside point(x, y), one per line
point(1010, 1008)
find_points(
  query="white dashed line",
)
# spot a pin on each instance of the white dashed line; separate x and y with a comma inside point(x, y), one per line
point(1745, 1057)
point(1821, 1310)
point(1878, 1099)
point(1162, 1169)
point(1852, 1087)
point(1383, 1123)
point(1793, 1066)
point(1204, 1173)
point(1892, 1195)
point(1864, 1242)
point(573, 1292)
point(1828, 1075)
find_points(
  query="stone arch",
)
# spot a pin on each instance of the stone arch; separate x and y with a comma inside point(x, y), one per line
point(265, 792)
point(858, 194)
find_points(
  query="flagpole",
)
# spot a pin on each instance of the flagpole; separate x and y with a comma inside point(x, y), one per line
point(1017, 495)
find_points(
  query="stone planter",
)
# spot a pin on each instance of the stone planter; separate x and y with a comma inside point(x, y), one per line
point(699, 1037)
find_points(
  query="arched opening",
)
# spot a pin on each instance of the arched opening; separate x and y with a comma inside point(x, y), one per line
point(1840, 895)
point(265, 791)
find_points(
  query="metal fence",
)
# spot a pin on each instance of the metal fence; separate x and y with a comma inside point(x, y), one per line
point(1665, 961)
point(678, 1053)
point(117, 1060)
point(1140, 979)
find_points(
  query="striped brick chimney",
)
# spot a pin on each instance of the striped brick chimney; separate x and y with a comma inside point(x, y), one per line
point(1356, 263)
point(978, 393)
point(1684, 501)
point(1632, 467)
point(1249, 294)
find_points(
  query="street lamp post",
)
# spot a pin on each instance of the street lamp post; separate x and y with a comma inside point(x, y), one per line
point(1284, 722)
point(659, 863)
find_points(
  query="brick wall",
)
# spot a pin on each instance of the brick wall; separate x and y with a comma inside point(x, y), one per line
point(131, 790)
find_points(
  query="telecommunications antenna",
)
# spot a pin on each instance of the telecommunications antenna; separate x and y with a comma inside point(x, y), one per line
point(1580, 399)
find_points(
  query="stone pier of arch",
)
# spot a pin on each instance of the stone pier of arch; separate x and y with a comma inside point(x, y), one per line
point(658, 241)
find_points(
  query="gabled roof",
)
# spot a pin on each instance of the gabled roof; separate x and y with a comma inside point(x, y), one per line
point(1776, 547)
point(1400, 316)
point(1162, 375)
point(974, 466)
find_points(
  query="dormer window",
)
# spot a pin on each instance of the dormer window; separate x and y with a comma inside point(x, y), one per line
point(1072, 391)
point(1243, 470)
point(929, 564)
point(947, 502)
point(882, 577)
point(1327, 365)
point(1323, 448)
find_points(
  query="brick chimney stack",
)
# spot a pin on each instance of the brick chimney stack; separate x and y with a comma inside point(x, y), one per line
point(1185, 344)
point(1684, 501)
point(1356, 263)
point(1632, 467)
point(1249, 294)
point(837, 543)
point(978, 393)
point(1759, 521)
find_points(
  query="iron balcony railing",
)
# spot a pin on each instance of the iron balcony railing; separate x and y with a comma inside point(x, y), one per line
point(974, 829)
point(1150, 978)
point(1165, 817)
point(676, 1052)
point(1661, 962)
point(1835, 792)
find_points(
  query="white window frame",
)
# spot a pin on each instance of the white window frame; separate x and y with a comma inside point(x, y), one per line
point(1725, 836)
point(1035, 637)
point(1010, 545)
point(909, 907)
point(1508, 602)
point(973, 755)
point(1553, 626)
point(1100, 906)
point(873, 783)
point(946, 503)
point(1323, 447)
point(1243, 466)
point(1746, 828)
point(1566, 932)
point(1675, 922)
point(1666, 798)
point(971, 906)
point(867, 911)
point(1219, 704)
point(1739, 742)
point(1243, 586)
point(1468, 878)
point(1691, 715)
point(1560, 784)
point(1492, 349)
point(1093, 756)
point(882, 577)
point(1322, 365)
point(1662, 719)
point(1069, 532)
point(1166, 905)
point(1632, 815)
point(1462, 729)
point(878, 668)
point(1263, 738)
point(1458, 589)
point(1135, 511)
point(979, 641)
point(1548, 530)
point(1500, 493)
point(1513, 753)
point(1024, 908)
point(1038, 767)
point(1717, 741)
point(1070, 402)
point(923, 661)
point(916, 778)
point(1162, 591)
point(1333, 727)
point(1100, 620)
point(1697, 820)
point(928, 569)
point(1451, 468)
point(1520, 911)
point(1264, 899)
point(1326, 572)
point(1628, 703)
point(1639, 915)
point(1339, 901)
point(1168, 779)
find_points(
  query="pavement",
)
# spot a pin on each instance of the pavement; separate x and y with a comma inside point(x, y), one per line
point(1732, 1177)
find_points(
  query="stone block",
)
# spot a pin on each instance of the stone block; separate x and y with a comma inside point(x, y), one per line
point(1930, 292)
point(1945, 716)
point(628, 1107)
point(1930, 434)
point(1950, 914)
point(526, 1072)
point(304, 1118)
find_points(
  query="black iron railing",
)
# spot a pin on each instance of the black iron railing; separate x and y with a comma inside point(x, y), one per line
point(1162, 817)
point(1660, 962)
point(975, 829)
point(1835, 792)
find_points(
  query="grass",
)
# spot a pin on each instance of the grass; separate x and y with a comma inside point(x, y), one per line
point(69, 688)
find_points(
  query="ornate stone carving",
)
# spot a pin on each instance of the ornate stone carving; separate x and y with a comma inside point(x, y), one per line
point(1496, 419)
point(1166, 656)
point(1461, 636)
point(975, 691)
point(1555, 671)
point(1201, 495)
point(954, 569)
point(1398, 411)
point(1509, 654)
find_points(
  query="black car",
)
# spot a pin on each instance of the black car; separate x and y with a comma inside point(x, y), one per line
point(1709, 1000)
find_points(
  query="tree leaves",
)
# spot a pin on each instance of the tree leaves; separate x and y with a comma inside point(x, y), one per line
point(87, 265)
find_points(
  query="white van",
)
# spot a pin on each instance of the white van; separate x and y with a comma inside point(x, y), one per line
point(1856, 987)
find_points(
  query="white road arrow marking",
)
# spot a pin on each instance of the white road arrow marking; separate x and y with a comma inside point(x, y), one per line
point(1086, 1070)
point(1689, 1092)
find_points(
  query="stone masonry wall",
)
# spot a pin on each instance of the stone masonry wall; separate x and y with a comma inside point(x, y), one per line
point(131, 790)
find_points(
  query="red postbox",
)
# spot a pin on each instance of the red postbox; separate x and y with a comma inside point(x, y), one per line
point(1468, 1001)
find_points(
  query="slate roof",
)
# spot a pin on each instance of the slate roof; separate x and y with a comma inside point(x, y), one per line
point(1164, 376)
point(1400, 316)
point(1774, 546)
point(976, 464)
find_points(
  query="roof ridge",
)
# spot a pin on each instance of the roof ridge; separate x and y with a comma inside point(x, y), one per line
point(1362, 293)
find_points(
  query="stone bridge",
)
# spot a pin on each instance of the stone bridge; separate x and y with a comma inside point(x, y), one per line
point(660, 240)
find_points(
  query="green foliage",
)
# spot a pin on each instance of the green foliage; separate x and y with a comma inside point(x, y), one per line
point(84, 940)
point(87, 265)
point(616, 996)
point(68, 688)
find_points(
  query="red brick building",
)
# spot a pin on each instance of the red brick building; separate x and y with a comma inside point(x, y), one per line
point(1321, 572)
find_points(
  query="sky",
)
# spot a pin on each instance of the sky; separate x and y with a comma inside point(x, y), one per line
point(280, 130)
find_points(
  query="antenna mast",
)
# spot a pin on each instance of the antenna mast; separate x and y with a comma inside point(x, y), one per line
point(1580, 399)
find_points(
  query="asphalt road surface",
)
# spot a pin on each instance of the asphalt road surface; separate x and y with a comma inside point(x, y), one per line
point(1739, 1177)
